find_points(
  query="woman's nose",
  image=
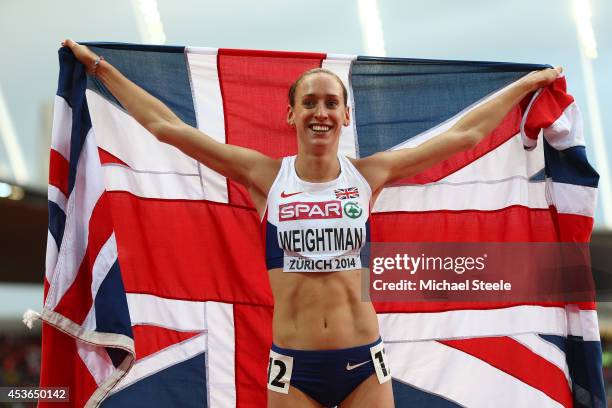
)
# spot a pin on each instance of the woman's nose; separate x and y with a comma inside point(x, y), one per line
point(321, 111)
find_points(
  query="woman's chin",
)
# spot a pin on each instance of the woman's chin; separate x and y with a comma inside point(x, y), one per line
point(320, 143)
point(321, 148)
point(322, 138)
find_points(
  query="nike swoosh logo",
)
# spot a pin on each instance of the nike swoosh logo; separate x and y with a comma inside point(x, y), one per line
point(285, 195)
point(350, 367)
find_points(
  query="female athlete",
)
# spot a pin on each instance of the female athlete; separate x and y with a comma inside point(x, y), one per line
point(326, 347)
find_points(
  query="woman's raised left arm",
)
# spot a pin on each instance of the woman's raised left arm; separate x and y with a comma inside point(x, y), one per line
point(383, 168)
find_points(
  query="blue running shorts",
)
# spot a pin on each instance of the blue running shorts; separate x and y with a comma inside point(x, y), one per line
point(327, 376)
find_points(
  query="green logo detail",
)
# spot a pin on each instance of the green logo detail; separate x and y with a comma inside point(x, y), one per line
point(352, 209)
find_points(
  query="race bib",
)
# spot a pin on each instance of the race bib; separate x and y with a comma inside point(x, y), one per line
point(381, 366)
point(279, 372)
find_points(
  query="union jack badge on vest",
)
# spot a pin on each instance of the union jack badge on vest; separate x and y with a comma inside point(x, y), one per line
point(346, 193)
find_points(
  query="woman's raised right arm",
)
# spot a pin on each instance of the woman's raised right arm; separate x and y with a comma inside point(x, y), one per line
point(246, 166)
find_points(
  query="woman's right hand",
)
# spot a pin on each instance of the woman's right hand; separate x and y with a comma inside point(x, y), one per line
point(83, 54)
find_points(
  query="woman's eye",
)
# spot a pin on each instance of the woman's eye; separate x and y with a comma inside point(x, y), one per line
point(309, 104)
point(332, 104)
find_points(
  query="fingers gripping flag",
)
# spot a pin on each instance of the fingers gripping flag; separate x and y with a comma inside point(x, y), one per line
point(156, 292)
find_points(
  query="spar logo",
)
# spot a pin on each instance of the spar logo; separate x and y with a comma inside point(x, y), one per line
point(310, 211)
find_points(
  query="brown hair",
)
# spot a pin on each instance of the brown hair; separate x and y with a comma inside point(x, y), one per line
point(293, 88)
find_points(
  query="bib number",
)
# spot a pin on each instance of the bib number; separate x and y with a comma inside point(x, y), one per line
point(279, 372)
point(381, 365)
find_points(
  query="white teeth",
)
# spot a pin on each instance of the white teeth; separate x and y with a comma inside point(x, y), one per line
point(320, 128)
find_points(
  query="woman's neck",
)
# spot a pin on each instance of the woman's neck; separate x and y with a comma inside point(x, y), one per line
point(317, 168)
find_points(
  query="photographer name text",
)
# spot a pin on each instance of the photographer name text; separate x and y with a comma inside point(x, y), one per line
point(441, 285)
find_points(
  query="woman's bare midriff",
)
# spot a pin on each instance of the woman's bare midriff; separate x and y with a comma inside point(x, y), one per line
point(316, 311)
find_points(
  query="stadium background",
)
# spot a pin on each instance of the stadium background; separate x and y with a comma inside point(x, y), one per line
point(573, 33)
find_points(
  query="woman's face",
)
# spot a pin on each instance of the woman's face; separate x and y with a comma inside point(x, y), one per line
point(319, 113)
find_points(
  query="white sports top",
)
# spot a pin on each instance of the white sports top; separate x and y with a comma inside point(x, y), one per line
point(317, 227)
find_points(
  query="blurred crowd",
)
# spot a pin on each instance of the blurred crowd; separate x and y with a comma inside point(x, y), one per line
point(19, 360)
point(606, 344)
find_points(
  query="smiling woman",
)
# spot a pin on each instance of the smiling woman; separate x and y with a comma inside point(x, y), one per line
point(315, 207)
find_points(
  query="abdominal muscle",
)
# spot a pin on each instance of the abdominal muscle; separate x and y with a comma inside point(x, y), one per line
point(321, 310)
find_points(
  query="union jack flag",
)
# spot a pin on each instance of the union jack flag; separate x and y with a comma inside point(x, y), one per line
point(346, 193)
point(156, 292)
